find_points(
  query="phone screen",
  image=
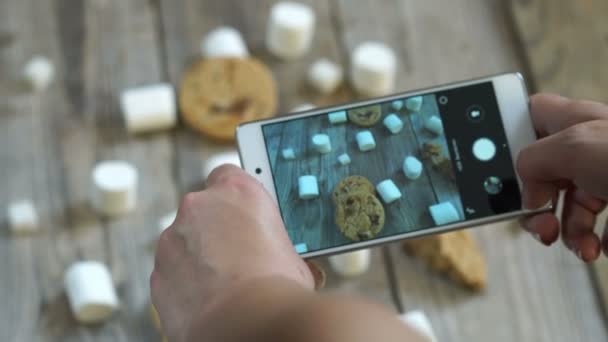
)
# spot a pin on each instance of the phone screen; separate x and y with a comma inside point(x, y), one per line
point(377, 170)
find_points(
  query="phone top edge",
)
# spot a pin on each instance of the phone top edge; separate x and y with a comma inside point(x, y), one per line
point(425, 232)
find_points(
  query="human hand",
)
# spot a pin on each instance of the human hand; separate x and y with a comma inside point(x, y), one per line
point(571, 154)
point(223, 237)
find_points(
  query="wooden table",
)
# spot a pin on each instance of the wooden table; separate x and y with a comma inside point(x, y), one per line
point(49, 142)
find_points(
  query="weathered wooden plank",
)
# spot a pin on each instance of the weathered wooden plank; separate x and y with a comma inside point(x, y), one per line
point(184, 24)
point(536, 294)
point(566, 45)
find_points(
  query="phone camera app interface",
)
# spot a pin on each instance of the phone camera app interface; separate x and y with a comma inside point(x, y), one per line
point(377, 170)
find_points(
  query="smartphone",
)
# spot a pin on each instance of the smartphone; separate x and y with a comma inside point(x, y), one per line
point(426, 161)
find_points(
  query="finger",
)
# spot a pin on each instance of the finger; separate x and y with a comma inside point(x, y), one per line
point(591, 203)
point(223, 172)
point(552, 113)
point(605, 239)
point(586, 247)
point(578, 223)
point(543, 227)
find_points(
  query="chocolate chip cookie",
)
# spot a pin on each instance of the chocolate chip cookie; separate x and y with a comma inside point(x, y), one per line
point(352, 184)
point(365, 116)
point(360, 216)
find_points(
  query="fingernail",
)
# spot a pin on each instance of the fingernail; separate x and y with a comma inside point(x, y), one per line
point(579, 254)
point(536, 236)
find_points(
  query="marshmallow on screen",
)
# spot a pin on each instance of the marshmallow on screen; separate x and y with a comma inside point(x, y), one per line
point(39, 72)
point(344, 159)
point(418, 321)
point(388, 191)
point(224, 42)
point(321, 143)
point(301, 248)
point(325, 76)
point(337, 117)
point(22, 217)
point(373, 69)
point(231, 157)
point(434, 125)
point(414, 103)
point(166, 221)
point(149, 108)
point(290, 29)
point(351, 264)
point(114, 187)
point(412, 167)
point(397, 105)
point(308, 187)
point(90, 291)
point(288, 154)
point(444, 213)
point(393, 123)
point(365, 141)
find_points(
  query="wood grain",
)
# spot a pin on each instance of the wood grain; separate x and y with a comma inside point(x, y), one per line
point(540, 294)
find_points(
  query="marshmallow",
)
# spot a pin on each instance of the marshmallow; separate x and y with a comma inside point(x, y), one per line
point(337, 117)
point(344, 159)
point(434, 125)
point(39, 72)
point(366, 141)
point(22, 217)
point(288, 154)
point(231, 157)
point(302, 108)
point(388, 191)
point(114, 187)
point(167, 221)
point(444, 213)
point(325, 76)
point(308, 187)
point(321, 143)
point(418, 321)
point(351, 264)
point(90, 291)
point(373, 69)
point(393, 123)
point(224, 42)
point(414, 103)
point(290, 29)
point(412, 167)
point(149, 108)
point(397, 105)
point(301, 248)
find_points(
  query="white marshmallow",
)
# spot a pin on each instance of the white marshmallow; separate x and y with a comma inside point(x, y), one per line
point(393, 123)
point(288, 154)
point(397, 105)
point(325, 76)
point(90, 291)
point(301, 248)
point(418, 321)
point(39, 72)
point(337, 117)
point(224, 42)
point(444, 213)
point(412, 167)
point(388, 191)
point(114, 187)
point(290, 29)
point(166, 221)
point(321, 143)
point(434, 125)
point(231, 157)
point(22, 217)
point(149, 108)
point(351, 264)
point(365, 141)
point(308, 187)
point(414, 103)
point(374, 66)
point(302, 108)
point(344, 159)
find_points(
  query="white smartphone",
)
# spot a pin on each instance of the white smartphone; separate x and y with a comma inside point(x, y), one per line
point(438, 159)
